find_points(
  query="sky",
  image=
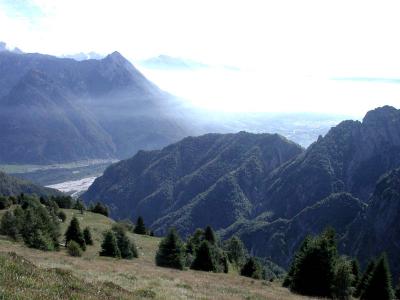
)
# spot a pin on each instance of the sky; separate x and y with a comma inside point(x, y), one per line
point(291, 53)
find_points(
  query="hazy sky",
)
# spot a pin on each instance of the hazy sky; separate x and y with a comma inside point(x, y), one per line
point(288, 49)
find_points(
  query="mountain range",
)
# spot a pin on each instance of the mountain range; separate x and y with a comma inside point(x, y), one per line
point(268, 190)
point(55, 110)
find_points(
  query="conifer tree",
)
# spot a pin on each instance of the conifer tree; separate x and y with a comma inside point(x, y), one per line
point(209, 235)
point(235, 250)
point(205, 258)
point(397, 292)
point(74, 233)
point(126, 247)
point(87, 235)
point(140, 228)
point(109, 246)
point(364, 279)
point(379, 286)
point(344, 279)
point(252, 268)
point(170, 253)
point(194, 241)
point(314, 269)
point(355, 269)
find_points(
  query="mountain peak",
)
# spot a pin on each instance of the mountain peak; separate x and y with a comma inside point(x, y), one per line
point(116, 57)
point(380, 113)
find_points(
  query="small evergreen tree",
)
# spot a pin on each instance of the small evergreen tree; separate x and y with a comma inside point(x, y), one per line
point(194, 241)
point(126, 247)
point(170, 253)
point(205, 258)
point(355, 269)
point(79, 205)
point(74, 233)
point(344, 280)
point(364, 279)
point(209, 235)
point(87, 235)
point(397, 292)
point(109, 246)
point(140, 228)
point(74, 249)
point(314, 269)
point(379, 286)
point(235, 250)
point(252, 268)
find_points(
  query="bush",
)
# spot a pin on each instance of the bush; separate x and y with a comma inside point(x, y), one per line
point(100, 209)
point(9, 225)
point(87, 235)
point(140, 228)
point(170, 253)
point(5, 202)
point(74, 249)
point(109, 246)
point(74, 233)
point(252, 268)
point(62, 216)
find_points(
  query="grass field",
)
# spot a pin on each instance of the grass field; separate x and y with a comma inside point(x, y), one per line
point(34, 274)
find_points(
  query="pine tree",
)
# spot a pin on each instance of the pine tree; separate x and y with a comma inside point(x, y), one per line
point(209, 235)
point(397, 292)
point(205, 258)
point(252, 268)
point(87, 235)
point(379, 286)
point(344, 279)
point(170, 253)
point(236, 251)
point(364, 279)
point(74, 233)
point(194, 241)
point(140, 228)
point(355, 269)
point(314, 269)
point(126, 247)
point(109, 246)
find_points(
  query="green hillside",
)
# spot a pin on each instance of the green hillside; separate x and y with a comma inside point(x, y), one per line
point(35, 274)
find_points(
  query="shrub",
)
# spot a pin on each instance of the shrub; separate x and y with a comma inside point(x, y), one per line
point(9, 225)
point(252, 268)
point(74, 233)
point(5, 202)
point(140, 228)
point(74, 249)
point(109, 246)
point(100, 209)
point(170, 253)
point(62, 216)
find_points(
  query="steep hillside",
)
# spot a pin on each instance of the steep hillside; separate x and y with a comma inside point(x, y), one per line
point(350, 158)
point(13, 186)
point(34, 274)
point(377, 229)
point(278, 240)
point(211, 179)
point(56, 110)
